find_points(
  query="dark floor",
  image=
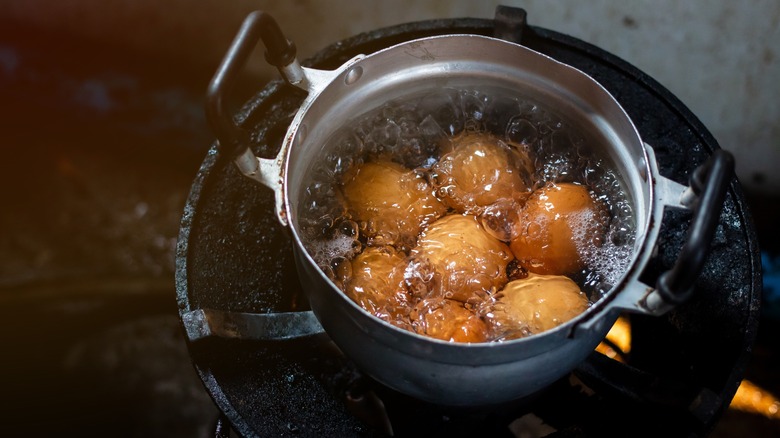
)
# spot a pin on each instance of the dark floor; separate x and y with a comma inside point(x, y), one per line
point(99, 151)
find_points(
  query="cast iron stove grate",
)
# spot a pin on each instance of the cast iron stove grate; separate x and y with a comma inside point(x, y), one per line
point(683, 368)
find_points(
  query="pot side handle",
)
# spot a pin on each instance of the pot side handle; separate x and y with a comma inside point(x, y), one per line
point(281, 53)
point(706, 194)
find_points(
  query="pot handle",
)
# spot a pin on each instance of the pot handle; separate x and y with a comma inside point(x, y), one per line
point(280, 52)
point(705, 195)
point(708, 185)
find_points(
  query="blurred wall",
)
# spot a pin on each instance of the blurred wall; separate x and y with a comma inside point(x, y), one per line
point(719, 57)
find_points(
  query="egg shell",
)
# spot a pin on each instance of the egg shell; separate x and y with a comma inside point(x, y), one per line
point(538, 303)
point(376, 282)
point(448, 320)
point(392, 202)
point(480, 170)
point(555, 226)
point(467, 262)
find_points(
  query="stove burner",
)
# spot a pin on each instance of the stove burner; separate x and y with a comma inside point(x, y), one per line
point(234, 258)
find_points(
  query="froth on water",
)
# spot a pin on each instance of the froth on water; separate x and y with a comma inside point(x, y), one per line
point(390, 173)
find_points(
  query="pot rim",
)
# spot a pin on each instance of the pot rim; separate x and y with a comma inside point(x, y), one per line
point(645, 208)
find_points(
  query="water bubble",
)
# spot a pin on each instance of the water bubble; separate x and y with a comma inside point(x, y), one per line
point(444, 107)
point(416, 133)
point(472, 125)
point(430, 130)
point(473, 105)
point(349, 228)
point(325, 222)
point(519, 130)
point(409, 126)
point(499, 219)
point(386, 134)
point(498, 113)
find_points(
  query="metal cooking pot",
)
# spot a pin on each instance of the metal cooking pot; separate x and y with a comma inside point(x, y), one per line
point(429, 369)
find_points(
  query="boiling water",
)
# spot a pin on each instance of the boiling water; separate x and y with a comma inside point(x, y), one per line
point(415, 133)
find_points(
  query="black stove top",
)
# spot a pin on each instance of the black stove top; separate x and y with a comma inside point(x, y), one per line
point(680, 375)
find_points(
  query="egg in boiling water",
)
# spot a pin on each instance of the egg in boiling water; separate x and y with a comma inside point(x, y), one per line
point(448, 320)
point(468, 263)
point(479, 170)
point(535, 304)
point(391, 202)
point(557, 224)
point(374, 279)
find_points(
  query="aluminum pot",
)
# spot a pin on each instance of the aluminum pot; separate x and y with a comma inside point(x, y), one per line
point(429, 369)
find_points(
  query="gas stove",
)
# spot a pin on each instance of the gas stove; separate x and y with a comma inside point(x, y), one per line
point(681, 372)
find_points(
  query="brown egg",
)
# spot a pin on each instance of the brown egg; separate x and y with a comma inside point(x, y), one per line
point(393, 203)
point(557, 224)
point(479, 171)
point(467, 262)
point(448, 320)
point(376, 282)
point(535, 304)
